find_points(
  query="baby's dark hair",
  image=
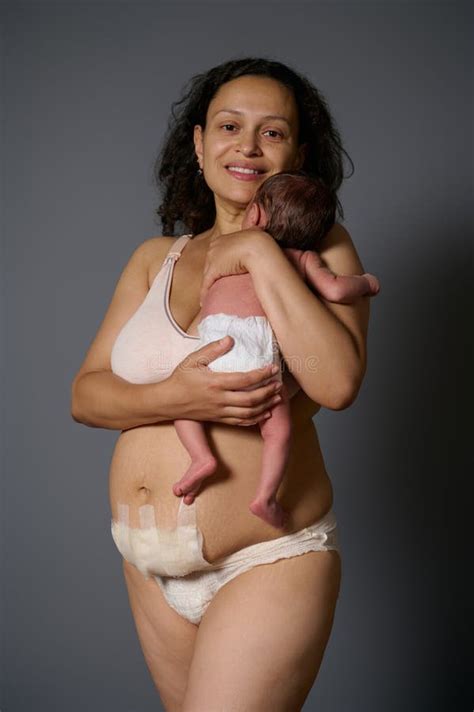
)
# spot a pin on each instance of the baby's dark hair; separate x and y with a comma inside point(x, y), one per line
point(300, 209)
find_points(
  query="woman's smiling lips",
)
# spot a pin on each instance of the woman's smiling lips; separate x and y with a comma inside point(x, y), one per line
point(241, 173)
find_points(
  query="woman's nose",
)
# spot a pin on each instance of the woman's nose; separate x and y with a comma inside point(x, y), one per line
point(249, 144)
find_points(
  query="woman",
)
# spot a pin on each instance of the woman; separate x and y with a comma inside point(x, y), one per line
point(260, 643)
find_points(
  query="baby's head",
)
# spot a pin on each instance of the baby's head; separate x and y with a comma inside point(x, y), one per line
point(296, 209)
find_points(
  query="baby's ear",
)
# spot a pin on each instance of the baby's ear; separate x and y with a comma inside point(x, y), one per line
point(263, 218)
point(254, 215)
point(258, 216)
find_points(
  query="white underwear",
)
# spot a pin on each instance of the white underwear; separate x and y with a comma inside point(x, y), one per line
point(254, 345)
point(174, 557)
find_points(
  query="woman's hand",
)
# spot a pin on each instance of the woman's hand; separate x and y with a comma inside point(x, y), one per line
point(229, 254)
point(202, 394)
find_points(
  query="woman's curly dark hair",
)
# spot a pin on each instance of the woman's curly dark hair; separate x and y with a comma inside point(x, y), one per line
point(186, 196)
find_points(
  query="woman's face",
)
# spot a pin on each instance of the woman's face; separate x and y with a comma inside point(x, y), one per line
point(251, 122)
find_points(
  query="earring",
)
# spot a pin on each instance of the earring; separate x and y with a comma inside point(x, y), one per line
point(199, 172)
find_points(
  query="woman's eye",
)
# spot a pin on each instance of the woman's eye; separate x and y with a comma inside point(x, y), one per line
point(272, 131)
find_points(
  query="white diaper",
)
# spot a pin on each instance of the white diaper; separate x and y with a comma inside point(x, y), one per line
point(174, 558)
point(254, 345)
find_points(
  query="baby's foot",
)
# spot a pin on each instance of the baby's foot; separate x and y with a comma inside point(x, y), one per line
point(270, 511)
point(190, 483)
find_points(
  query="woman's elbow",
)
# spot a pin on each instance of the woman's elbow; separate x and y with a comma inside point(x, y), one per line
point(348, 395)
point(332, 399)
point(341, 390)
point(74, 407)
point(345, 400)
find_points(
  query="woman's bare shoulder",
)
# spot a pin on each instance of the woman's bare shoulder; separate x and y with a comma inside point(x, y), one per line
point(154, 250)
point(337, 242)
point(154, 246)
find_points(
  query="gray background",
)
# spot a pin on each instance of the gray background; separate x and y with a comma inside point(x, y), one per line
point(86, 91)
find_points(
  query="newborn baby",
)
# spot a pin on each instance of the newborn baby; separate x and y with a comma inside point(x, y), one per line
point(297, 211)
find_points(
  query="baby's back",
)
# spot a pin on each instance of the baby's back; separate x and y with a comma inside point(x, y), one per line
point(233, 294)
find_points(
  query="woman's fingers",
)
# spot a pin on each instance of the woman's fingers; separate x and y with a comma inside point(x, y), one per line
point(204, 355)
point(253, 406)
point(236, 398)
point(241, 380)
point(249, 396)
point(237, 420)
point(254, 398)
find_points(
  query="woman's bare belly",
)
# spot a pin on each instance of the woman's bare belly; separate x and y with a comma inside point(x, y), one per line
point(147, 460)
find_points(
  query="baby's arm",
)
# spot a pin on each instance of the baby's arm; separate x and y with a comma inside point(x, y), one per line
point(342, 289)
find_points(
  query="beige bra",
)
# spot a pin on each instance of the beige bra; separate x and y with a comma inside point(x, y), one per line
point(151, 344)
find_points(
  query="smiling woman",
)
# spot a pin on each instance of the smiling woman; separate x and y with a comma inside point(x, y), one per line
point(229, 611)
point(237, 155)
point(248, 125)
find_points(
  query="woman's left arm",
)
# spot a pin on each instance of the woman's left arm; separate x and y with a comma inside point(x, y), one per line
point(323, 343)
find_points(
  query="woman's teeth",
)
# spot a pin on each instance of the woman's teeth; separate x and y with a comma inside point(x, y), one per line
point(241, 170)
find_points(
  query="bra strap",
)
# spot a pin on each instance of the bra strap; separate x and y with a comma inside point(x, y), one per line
point(175, 252)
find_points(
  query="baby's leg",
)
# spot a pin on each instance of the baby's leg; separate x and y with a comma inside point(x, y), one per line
point(276, 434)
point(203, 463)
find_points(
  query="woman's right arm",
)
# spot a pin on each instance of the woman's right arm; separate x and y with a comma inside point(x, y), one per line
point(101, 399)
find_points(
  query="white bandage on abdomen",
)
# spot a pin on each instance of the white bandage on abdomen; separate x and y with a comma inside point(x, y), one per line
point(254, 345)
point(166, 551)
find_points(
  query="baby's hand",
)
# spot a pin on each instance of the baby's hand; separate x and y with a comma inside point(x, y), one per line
point(373, 283)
